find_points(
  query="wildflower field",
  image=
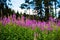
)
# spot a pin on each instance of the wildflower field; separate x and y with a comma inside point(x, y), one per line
point(21, 29)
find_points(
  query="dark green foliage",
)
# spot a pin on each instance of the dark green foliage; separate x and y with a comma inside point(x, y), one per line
point(4, 10)
point(17, 15)
point(39, 7)
point(26, 1)
point(59, 15)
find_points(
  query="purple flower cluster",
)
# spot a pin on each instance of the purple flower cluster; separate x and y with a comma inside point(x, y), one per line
point(29, 23)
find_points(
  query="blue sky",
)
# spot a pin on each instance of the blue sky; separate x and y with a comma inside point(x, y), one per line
point(16, 4)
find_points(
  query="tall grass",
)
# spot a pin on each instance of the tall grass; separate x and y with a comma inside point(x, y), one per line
point(21, 29)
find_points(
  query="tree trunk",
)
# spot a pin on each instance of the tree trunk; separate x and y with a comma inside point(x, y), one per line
point(46, 11)
point(55, 9)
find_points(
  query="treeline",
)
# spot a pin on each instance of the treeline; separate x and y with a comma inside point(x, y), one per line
point(6, 11)
point(43, 7)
